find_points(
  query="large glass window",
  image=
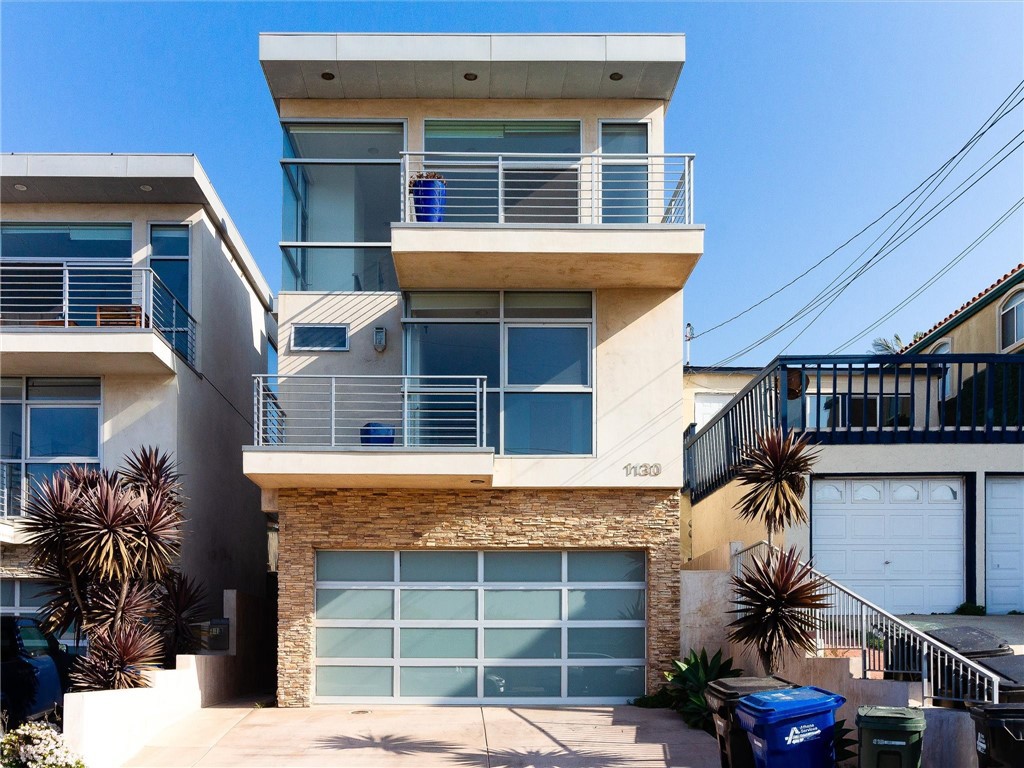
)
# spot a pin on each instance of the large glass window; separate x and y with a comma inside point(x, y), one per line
point(1011, 320)
point(46, 424)
point(342, 190)
point(624, 179)
point(534, 348)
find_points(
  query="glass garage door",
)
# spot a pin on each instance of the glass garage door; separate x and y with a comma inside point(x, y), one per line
point(465, 627)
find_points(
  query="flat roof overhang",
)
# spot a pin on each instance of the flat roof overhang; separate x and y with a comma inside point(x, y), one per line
point(511, 66)
point(82, 352)
point(317, 467)
point(533, 256)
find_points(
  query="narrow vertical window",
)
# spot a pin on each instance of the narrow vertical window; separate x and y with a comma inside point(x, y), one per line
point(170, 259)
point(624, 174)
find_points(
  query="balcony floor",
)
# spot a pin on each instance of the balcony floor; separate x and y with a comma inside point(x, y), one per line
point(83, 351)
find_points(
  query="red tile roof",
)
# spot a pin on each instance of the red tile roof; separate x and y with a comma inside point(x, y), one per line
point(955, 313)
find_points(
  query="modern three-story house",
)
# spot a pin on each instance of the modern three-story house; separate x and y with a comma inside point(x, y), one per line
point(473, 446)
point(131, 314)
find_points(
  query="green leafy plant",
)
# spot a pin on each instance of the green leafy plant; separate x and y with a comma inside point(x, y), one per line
point(688, 680)
point(843, 743)
point(36, 745)
point(970, 609)
point(776, 599)
point(107, 544)
point(660, 699)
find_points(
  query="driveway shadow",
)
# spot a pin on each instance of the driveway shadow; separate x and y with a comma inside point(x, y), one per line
point(398, 745)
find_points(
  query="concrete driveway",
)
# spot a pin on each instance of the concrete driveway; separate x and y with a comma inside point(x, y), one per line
point(401, 737)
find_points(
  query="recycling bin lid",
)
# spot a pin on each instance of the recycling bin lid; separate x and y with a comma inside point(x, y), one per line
point(891, 718)
point(731, 688)
point(772, 706)
point(1010, 668)
point(971, 641)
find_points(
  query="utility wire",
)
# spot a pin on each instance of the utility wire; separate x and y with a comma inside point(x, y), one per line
point(1006, 107)
point(934, 278)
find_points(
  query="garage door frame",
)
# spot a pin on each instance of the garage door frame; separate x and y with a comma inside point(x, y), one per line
point(564, 663)
point(989, 478)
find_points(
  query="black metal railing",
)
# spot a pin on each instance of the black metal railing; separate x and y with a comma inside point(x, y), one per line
point(868, 399)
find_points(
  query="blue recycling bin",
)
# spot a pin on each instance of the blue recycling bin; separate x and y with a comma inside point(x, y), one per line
point(791, 728)
point(374, 433)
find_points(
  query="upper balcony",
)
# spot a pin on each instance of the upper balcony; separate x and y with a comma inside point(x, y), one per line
point(75, 319)
point(369, 432)
point(853, 400)
point(545, 220)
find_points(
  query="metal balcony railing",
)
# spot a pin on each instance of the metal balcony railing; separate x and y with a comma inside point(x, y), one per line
point(427, 412)
point(548, 188)
point(888, 647)
point(842, 400)
point(40, 296)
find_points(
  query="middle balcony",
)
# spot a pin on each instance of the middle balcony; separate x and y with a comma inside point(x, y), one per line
point(545, 221)
point(369, 432)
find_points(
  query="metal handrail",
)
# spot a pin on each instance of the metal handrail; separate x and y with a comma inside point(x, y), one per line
point(888, 645)
point(38, 295)
point(375, 411)
point(557, 188)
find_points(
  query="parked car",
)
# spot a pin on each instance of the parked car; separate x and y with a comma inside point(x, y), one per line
point(33, 670)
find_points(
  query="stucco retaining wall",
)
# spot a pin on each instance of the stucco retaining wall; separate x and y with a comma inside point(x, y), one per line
point(488, 519)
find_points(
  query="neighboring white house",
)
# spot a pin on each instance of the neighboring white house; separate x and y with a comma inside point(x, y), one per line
point(131, 314)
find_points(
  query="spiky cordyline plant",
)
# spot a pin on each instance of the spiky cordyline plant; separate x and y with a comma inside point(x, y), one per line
point(777, 599)
point(117, 658)
point(776, 471)
point(182, 606)
point(106, 542)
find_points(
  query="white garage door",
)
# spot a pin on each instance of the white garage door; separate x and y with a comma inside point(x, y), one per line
point(899, 542)
point(1004, 544)
point(464, 627)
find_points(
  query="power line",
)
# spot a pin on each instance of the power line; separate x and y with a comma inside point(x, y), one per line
point(1005, 108)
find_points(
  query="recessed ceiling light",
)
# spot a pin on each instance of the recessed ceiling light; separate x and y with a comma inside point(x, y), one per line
point(327, 75)
point(471, 76)
point(145, 187)
point(21, 187)
point(616, 76)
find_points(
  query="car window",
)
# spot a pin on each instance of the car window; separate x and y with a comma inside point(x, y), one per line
point(8, 641)
point(34, 640)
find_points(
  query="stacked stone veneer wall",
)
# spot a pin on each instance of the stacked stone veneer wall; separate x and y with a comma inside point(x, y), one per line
point(312, 519)
point(14, 562)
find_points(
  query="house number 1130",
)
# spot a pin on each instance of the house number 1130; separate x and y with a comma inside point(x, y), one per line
point(642, 470)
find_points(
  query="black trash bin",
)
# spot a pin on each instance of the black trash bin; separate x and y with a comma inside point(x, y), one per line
point(890, 736)
point(971, 642)
point(999, 735)
point(1011, 672)
point(722, 696)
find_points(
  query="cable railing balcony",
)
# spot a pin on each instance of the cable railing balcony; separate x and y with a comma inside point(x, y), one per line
point(470, 187)
point(887, 647)
point(116, 298)
point(869, 399)
point(370, 412)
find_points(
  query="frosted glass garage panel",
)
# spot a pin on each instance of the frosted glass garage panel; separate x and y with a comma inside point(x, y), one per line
point(602, 604)
point(522, 682)
point(355, 566)
point(522, 643)
point(438, 566)
point(354, 604)
point(438, 682)
point(427, 605)
point(438, 643)
point(522, 566)
point(510, 604)
point(606, 643)
point(353, 681)
point(606, 681)
point(606, 566)
point(353, 643)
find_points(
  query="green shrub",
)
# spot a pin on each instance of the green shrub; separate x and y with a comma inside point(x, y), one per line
point(970, 609)
point(689, 679)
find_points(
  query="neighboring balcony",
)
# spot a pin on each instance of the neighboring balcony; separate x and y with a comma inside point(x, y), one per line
point(545, 221)
point(89, 320)
point(369, 432)
point(870, 400)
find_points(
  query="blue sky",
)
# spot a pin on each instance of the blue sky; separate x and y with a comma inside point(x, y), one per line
point(808, 121)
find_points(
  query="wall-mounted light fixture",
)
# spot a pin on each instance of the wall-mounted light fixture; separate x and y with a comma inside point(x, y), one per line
point(380, 338)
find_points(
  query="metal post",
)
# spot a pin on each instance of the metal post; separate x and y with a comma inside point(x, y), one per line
point(257, 407)
point(147, 288)
point(863, 641)
point(925, 681)
point(501, 190)
point(334, 382)
point(404, 190)
point(67, 296)
point(594, 183)
point(405, 411)
point(481, 405)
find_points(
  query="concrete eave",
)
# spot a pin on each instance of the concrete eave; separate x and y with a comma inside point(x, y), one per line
point(550, 257)
point(10, 531)
point(433, 66)
point(84, 352)
point(272, 468)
